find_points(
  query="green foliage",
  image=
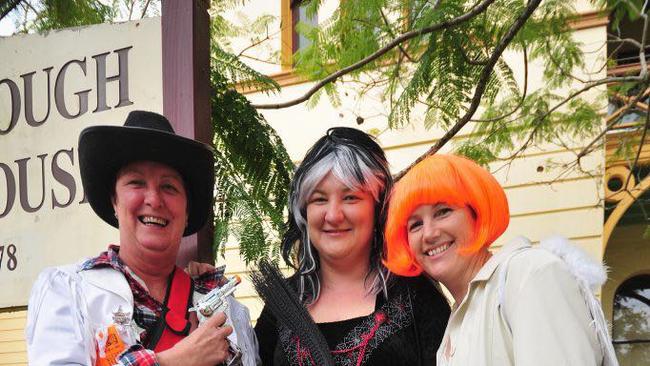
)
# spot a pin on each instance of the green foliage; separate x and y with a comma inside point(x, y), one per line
point(337, 42)
point(224, 30)
point(72, 13)
point(252, 173)
point(479, 153)
point(238, 73)
point(440, 70)
point(622, 88)
point(621, 10)
point(252, 169)
point(532, 124)
point(627, 147)
point(548, 37)
point(46, 15)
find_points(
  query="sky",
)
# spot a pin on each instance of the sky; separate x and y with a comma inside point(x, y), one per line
point(6, 27)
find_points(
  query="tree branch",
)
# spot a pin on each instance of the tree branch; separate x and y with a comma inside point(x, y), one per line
point(638, 151)
point(617, 39)
point(254, 44)
point(612, 120)
point(566, 100)
point(481, 84)
point(8, 7)
point(481, 7)
point(390, 32)
point(521, 101)
point(469, 60)
point(27, 6)
point(259, 60)
point(144, 9)
point(131, 9)
point(644, 67)
point(564, 72)
point(23, 24)
point(643, 74)
point(625, 99)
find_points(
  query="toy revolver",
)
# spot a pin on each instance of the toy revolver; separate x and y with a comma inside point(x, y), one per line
point(215, 300)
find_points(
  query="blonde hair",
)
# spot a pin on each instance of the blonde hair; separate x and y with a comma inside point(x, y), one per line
point(449, 179)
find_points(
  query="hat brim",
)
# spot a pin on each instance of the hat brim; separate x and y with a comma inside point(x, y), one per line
point(104, 150)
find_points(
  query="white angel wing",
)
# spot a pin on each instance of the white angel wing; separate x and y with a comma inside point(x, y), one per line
point(590, 275)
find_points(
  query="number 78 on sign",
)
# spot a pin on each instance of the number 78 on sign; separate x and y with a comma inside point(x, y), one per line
point(10, 252)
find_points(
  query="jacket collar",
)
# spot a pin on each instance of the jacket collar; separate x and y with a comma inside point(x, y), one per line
point(491, 265)
point(108, 279)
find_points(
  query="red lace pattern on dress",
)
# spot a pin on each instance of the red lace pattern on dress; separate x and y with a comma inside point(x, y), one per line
point(361, 341)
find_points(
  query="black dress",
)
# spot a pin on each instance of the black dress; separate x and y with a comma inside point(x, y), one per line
point(405, 330)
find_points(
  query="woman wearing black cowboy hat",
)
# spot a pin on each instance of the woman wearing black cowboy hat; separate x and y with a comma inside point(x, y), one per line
point(129, 305)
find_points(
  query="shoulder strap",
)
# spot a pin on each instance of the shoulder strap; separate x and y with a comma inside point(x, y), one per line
point(174, 324)
point(501, 290)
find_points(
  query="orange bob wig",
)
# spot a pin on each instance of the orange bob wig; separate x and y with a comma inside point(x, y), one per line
point(449, 179)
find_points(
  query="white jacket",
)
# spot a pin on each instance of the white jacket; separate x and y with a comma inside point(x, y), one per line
point(544, 319)
point(67, 305)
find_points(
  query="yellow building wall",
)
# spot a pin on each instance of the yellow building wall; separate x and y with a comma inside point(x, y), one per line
point(12, 338)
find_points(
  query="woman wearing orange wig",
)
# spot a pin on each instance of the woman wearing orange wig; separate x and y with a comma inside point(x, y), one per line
point(520, 306)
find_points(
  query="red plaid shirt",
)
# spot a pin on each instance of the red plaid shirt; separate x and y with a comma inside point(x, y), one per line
point(146, 309)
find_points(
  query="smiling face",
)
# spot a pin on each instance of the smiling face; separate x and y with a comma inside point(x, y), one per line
point(435, 233)
point(340, 220)
point(151, 206)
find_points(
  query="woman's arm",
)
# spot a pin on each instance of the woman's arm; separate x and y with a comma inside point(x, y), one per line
point(56, 331)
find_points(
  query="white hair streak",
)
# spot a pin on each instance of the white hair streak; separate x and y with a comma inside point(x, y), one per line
point(350, 168)
point(344, 164)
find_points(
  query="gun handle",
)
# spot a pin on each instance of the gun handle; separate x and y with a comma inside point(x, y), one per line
point(221, 308)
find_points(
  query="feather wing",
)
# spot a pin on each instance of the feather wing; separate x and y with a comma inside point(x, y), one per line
point(283, 303)
point(590, 275)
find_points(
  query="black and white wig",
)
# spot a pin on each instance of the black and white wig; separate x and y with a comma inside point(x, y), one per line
point(357, 161)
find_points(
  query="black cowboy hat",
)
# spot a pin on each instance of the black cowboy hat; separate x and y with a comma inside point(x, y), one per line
point(104, 150)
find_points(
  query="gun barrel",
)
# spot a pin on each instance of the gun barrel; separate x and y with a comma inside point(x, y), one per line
point(232, 283)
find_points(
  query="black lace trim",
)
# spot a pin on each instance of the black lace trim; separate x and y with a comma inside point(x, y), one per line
point(361, 341)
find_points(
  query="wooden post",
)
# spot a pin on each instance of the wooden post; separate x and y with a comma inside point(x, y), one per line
point(186, 92)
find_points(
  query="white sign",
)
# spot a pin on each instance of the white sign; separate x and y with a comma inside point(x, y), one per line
point(51, 87)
